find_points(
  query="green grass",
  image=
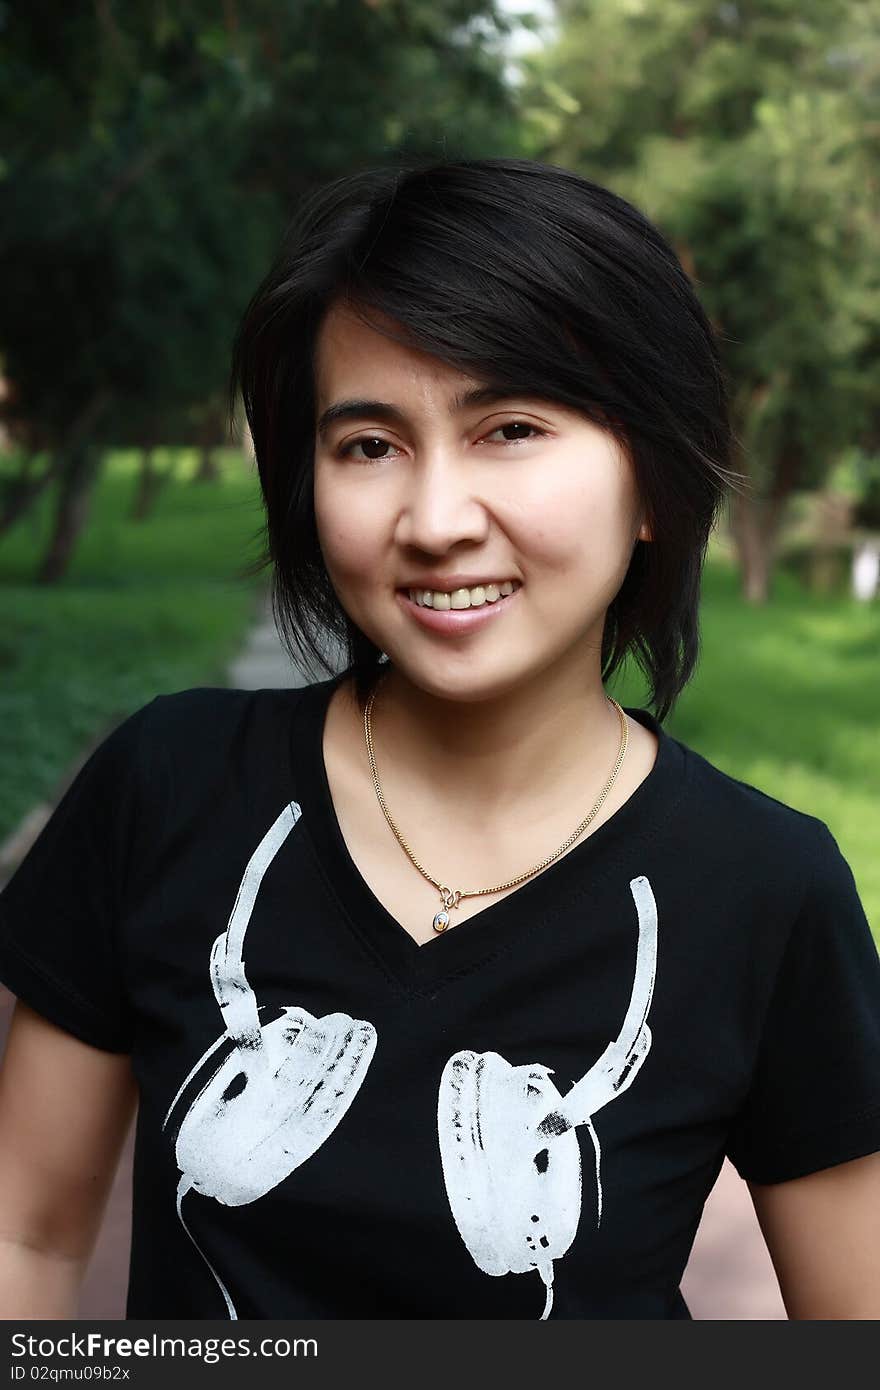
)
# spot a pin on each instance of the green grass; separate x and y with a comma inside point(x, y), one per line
point(787, 698)
point(146, 608)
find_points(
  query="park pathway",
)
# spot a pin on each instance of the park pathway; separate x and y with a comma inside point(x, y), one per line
point(729, 1275)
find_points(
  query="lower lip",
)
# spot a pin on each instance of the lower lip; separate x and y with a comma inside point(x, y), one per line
point(453, 621)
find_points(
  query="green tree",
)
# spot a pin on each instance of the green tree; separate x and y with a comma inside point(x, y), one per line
point(749, 133)
point(151, 155)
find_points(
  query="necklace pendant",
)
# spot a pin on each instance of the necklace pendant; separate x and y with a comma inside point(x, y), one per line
point(450, 899)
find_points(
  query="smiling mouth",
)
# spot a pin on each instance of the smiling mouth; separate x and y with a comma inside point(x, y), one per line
point(460, 600)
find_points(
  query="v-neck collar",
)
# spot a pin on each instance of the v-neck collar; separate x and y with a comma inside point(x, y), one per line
point(497, 926)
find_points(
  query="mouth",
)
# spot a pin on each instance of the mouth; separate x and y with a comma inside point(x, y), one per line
point(459, 620)
point(462, 599)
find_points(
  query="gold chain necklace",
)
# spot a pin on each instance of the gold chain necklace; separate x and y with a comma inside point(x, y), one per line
point(451, 898)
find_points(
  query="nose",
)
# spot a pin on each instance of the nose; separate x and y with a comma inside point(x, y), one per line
point(439, 506)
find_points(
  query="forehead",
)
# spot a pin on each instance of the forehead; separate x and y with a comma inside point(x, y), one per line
point(353, 358)
point(355, 363)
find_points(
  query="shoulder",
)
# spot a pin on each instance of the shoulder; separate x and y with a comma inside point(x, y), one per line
point(203, 712)
point(202, 730)
point(751, 825)
point(778, 868)
point(182, 709)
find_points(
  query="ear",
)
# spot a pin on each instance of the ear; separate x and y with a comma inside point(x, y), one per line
point(644, 532)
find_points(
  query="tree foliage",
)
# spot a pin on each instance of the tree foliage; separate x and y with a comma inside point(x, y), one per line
point(150, 155)
point(749, 131)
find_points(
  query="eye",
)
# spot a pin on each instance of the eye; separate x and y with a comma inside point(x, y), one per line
point(369, 441)
point(516, 425)
point(374, 445)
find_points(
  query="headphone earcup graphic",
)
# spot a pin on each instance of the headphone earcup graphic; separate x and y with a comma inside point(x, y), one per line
point(267, 1108)
point(510, 1156)
point(516, 1201)
point(274, 1092)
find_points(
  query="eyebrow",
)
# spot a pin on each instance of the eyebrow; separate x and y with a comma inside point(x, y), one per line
point(383, 410)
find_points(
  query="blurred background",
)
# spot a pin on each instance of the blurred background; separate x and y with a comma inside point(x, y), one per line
point(152, 153)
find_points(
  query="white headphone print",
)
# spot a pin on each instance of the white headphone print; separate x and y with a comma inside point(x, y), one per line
point(267, 1096)
point(279, 1089)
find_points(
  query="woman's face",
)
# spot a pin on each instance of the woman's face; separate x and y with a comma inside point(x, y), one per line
point(414, 486)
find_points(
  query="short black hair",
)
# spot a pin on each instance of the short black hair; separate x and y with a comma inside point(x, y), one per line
point(538, 281)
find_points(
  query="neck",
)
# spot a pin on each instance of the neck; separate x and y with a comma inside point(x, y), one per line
point(551, 737)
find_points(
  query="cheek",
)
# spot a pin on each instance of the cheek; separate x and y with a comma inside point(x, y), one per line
point(348, 540)
point(575, 523)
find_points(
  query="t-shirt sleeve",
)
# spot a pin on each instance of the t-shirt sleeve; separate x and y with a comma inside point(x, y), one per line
point(814, 1099)
point(60, 912)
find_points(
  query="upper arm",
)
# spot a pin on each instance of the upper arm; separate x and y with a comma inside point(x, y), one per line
point(65, 1110)
point(823, 1234)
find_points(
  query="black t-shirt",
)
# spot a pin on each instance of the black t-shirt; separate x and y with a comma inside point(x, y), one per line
point(521, 1118)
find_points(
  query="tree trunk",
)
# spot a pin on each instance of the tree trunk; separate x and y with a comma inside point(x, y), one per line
point(150, 480)
point(208, 470)
point(756, 524)
point(756, 517)
point(74, 496)
point(24, 492)
point(751, 549)
point(29, 489)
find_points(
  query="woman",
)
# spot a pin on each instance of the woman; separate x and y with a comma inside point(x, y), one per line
point(445, 983)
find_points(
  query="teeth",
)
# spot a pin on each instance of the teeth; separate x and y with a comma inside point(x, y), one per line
point(462, 598)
